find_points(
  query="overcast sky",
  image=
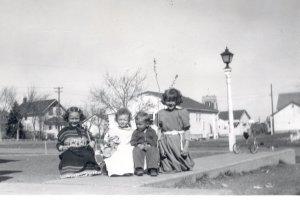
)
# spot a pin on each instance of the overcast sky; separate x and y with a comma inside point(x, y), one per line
point(72, 43)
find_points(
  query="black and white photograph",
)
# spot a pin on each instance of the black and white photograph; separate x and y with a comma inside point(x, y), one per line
point(172, 98)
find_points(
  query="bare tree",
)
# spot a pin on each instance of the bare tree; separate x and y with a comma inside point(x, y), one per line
point(97, 117)
point(174, 81)
point(31, 96)
point(144, 104)
point(7, 98)
point(119, 91)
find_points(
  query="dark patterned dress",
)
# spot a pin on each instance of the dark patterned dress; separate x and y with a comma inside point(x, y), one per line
point(173, 125)
point(79, 158)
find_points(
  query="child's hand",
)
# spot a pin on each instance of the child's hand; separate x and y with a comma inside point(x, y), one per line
point(141, 146)
point(184, 153)
point(92, 144)
point(63, 148)
point(158, 134)
point(147, 146)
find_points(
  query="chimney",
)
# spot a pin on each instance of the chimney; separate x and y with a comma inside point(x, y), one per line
point(24, 100)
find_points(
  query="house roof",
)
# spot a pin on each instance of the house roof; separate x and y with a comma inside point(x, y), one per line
point(297, 104)
point(237, 114)
point(36, 107)
point(187, 103)
point(285, 99)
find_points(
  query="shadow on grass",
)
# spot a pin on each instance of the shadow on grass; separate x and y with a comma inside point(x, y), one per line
point(5, 172)
point(6, 160)
point(297, 159)
point(4, 178)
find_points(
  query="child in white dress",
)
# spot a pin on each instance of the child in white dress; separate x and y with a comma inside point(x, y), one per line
point(120, 163)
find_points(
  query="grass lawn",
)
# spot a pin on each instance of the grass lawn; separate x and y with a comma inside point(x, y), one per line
point(281, 179)
point(277, 140)
point(26, 162)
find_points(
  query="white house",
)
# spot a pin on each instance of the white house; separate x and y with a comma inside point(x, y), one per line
point(44, 116)
point(287, 116)
point(203, 116)
point(241, 122)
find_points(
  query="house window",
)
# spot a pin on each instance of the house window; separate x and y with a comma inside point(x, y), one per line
point(235, 124)
point(50, 127)
point(51, 111)
point(198, 117)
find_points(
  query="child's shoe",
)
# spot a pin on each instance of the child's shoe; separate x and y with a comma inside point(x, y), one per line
point(153, 172)
point(139, 172)
point(128, 174)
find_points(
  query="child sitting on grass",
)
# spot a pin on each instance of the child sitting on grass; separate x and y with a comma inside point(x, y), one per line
point(144, 140)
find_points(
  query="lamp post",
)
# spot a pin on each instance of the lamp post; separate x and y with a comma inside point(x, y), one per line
point(227, 58)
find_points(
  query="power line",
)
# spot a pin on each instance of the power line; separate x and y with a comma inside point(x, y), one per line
point(272, 115)
point(58, 90)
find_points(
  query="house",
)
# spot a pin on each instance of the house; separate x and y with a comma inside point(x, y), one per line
point(43, 116)
point(203, 116)
point(287, 115)
point(241, 122)
point(97, 125)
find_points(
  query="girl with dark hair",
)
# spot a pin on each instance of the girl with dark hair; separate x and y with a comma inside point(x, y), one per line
point(119, 161)
point(173, 132)
point(77, 157)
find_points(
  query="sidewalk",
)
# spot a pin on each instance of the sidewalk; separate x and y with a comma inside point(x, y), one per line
point(162, 184)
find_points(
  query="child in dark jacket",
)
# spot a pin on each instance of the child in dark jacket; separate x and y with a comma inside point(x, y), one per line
point(144, 140)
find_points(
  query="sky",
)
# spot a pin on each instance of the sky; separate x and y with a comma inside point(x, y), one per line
point(73, 43)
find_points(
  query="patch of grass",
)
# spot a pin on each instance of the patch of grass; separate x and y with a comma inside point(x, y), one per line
point(278, 179)
point(7, 160)
point(4, 178)
point(4, 172)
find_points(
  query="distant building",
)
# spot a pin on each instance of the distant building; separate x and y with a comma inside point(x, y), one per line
point(287, 115)
point(241, 122)
point(210, 101)
point(203, 118)
point(44, 116)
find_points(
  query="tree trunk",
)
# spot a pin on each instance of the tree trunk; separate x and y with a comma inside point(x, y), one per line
point(0, 134)
point(18, 131)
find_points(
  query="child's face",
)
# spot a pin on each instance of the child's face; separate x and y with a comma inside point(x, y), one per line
point(74, 118)
point(141, 125)
point(171, 105)
point(123, 120)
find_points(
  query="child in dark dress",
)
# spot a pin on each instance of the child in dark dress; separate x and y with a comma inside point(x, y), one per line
point(77, 157)
point(144, 140)
point(173, 132)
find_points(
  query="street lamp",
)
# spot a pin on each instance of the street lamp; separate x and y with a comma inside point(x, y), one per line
point(227, 58)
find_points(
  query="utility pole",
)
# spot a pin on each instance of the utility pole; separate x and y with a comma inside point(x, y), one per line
point(58, 90)
point(272, 117)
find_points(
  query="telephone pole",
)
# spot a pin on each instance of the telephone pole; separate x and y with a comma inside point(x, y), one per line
point(272, 117)
point(58, 90)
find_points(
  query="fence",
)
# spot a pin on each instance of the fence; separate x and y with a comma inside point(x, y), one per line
point(30, 146)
